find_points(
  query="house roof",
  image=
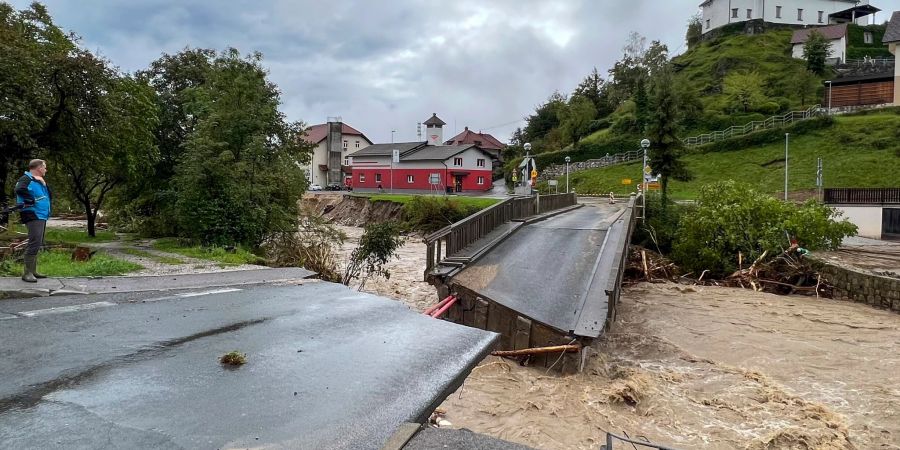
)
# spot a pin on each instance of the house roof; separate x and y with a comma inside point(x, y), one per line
point(318, 133)
point(830, 32)
point(435, 121)
point(892, 34)
point(439, 152)
point(483, 140)
point(387, 149)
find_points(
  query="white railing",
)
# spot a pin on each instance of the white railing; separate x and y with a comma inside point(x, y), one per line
point(557, 170)
point(756, 125)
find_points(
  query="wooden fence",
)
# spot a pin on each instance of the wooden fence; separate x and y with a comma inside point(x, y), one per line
point(862, 196)
point(453, 238)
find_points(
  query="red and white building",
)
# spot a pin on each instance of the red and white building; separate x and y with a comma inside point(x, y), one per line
point(423, 166)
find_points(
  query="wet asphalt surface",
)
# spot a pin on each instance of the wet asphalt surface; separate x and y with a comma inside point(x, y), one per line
point(327, 368)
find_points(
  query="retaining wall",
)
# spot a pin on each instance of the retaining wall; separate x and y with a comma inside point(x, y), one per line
point(862, 287)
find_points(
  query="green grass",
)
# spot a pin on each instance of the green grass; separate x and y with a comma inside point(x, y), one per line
point(70, 236)
point(217, 254)
point(478, 202)
point(151, 256)
point(858, 151)
point(58, 263)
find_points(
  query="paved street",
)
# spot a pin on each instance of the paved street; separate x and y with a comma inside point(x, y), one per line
point(327, 368)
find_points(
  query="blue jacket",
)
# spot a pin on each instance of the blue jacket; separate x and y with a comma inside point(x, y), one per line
point(35, 196)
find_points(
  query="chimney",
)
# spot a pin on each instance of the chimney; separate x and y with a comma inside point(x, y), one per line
point(434, 130)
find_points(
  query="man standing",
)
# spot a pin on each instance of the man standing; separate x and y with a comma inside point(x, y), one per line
point(34, 195)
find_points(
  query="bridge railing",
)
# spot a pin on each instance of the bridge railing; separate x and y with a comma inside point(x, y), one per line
point(455, 237)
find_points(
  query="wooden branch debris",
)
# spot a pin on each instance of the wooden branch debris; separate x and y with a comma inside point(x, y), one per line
point(537, 351)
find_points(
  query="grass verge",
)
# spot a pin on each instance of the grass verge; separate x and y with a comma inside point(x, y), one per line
point(145, 254)
point(72, 236)
point(218, 254)
point(477, 202)
point(58, 263)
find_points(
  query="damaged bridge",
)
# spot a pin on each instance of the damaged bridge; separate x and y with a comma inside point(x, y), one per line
point(540, 271)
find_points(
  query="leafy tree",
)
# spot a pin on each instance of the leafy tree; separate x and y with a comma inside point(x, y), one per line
point(662, 129)
point(377, 246)
point(816, 51)
point(744, 90)
point(111, 142)
point(732, 218)
point(694, 31)
point(544, 120)
point(593, 87)
point(642, 104)
point(576, 119)
point(805, 85)
point(239, 178)
point(32, 52)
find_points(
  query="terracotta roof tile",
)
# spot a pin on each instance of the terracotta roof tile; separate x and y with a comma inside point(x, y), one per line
point(830, 32)
point(318, 133)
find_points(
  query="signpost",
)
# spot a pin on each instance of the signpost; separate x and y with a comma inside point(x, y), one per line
point(626, 181)
point(554, 183)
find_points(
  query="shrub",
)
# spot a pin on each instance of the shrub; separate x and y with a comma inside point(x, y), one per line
point(731, 218)
point(763, 137)
point(313, 247)
point(377, 246)
point(658, 231)
point(428, 214)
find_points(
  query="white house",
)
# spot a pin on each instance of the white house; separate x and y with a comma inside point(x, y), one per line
point(330, 163)
point(837, 41)
point(892, 39)
point(718, 13)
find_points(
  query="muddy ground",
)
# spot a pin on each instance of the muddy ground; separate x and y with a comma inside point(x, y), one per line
point(693, 367)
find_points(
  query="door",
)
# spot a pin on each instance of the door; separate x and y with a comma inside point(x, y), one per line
point(457, 183)
point(890, 223)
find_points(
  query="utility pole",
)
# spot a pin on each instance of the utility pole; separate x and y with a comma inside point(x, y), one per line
point(786, 139)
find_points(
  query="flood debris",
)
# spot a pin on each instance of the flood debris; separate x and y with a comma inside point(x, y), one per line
point(234, 359)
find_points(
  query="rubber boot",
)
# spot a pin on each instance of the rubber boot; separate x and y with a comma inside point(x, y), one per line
point(28, 276)
point(34, 269)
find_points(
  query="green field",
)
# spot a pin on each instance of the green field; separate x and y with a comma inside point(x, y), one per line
point(857, 151)
point(478, 202)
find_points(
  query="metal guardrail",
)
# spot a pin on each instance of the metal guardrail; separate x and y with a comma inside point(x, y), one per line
point(756, 125)
point(862, 196)
point(453, 238)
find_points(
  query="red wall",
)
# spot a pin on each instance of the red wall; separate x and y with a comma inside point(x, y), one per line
point(420, 178)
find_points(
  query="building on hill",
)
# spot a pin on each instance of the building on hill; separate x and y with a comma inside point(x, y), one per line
point(837, 41)
point(426, 166)
point(718, 13)
point(334, 140)
point(892, 39)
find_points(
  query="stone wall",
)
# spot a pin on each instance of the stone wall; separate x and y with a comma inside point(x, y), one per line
point(861, 286)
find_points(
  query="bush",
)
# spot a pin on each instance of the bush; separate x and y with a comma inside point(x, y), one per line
point(377, 246)
point(313, 247)
point(731, 218)
point(428, 214)
point(658, 231)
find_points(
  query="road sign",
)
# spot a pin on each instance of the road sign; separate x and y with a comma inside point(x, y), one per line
point(626, 180)
point(648, 170)
point(533, 173)
point(515, 179)
point(552, 182)
point(395, 155)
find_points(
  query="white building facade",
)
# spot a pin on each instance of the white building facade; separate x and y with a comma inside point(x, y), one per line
point(718, 13)
point(325, 169)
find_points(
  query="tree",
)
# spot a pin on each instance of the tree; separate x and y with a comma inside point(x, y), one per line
point(112, 142)
point(805, 85)
point(642, 105)
point(694, 31)
point(33, 50)
point(575, 120)
point(743, 90)
point(816, 51)
point(239, 178)
point(544, 120)
point(593, 87)
point(666, 147)
point(377, 246)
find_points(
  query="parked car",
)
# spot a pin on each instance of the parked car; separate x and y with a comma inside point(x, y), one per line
point(315, 187)
point(334, 186)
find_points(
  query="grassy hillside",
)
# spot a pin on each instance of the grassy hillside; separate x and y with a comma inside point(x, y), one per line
point(858, 151)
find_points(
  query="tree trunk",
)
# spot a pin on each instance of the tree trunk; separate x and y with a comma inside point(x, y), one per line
point(91, 218)
point(664, 186)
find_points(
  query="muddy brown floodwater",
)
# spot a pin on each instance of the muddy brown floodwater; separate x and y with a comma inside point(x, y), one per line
point(692, 367)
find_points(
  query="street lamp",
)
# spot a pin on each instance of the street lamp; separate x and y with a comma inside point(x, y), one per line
point(392, 135)
point(786, 140)
point(829, 96)
point(568, 160)
point(525, 176)
point(645, 144)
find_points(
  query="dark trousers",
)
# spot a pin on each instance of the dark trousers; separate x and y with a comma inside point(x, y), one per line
point(35, 236)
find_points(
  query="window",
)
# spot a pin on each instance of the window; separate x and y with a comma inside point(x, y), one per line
point(800, 14)
point(409, 178)
point(749, 13)
point(821, 15)
point(480, 180)
point(362, 178)
point(777, 12)
point(378, 178)
point(345, 145)
point(457, 161)
point(480, 162)
point(867, 37)
point(734, 13)
point(357, 144)
point(707, 24)
point(346, 161)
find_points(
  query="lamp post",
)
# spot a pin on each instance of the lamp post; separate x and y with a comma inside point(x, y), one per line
point(645, 144)
point(568, 160)
point(392, 135)
point(786, 140)
point(526, 175)
point(829, 96)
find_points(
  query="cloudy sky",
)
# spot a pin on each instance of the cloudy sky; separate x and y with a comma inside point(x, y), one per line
point(386, 65)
